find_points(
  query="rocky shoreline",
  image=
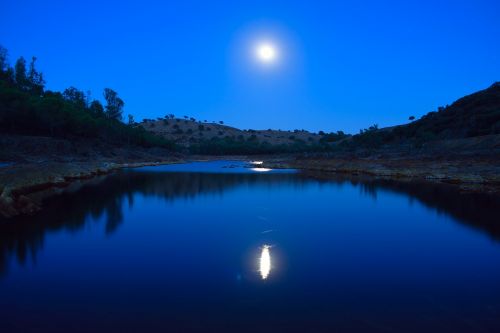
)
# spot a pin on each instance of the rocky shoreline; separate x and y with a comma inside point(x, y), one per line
point(24, 186)
point(469, 174)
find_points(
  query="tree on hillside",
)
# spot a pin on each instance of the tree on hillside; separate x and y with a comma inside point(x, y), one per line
point(20, 73)
point(131, 120)
point(96, 108)
point(6, 72)
point(75, 96)
point(411, 118)
point(3, 59)
point(88, 98)
point(221, 122)
point(114, 104)
point(36, 83)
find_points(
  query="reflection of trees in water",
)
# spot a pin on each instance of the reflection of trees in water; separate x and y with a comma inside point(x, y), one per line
point(24, 237)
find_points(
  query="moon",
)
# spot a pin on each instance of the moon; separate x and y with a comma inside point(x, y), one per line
point(266, 52)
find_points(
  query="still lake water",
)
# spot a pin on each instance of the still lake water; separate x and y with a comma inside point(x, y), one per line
point(204, 247)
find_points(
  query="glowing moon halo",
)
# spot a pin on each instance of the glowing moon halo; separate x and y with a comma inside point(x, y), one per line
point(266, 52)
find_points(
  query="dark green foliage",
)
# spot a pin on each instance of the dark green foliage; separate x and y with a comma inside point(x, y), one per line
point(30, 81)
point(36, 83)
point(26, 109)
point(332, 137)
point(75, 96)
point(20, 76)
point(96, 108)
point(371, 138)
point(236, 146)
point(370, 129)
point(6, 72)
point(131, 120)
point(114, 104)
point(4, 64)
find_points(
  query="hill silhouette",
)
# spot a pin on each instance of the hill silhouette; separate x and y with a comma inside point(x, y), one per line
point(472, 116)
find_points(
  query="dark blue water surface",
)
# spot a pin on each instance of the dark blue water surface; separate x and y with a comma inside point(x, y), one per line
point(220, 247)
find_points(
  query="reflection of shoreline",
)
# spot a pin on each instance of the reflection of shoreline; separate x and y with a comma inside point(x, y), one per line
point(477, 210)
point(24, 236)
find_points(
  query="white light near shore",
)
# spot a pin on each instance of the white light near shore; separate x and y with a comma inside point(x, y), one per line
point(265, 262)
point(260, 169)
point(257, 162)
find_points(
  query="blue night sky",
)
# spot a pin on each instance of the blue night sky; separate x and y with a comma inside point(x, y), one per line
point(342, 65)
